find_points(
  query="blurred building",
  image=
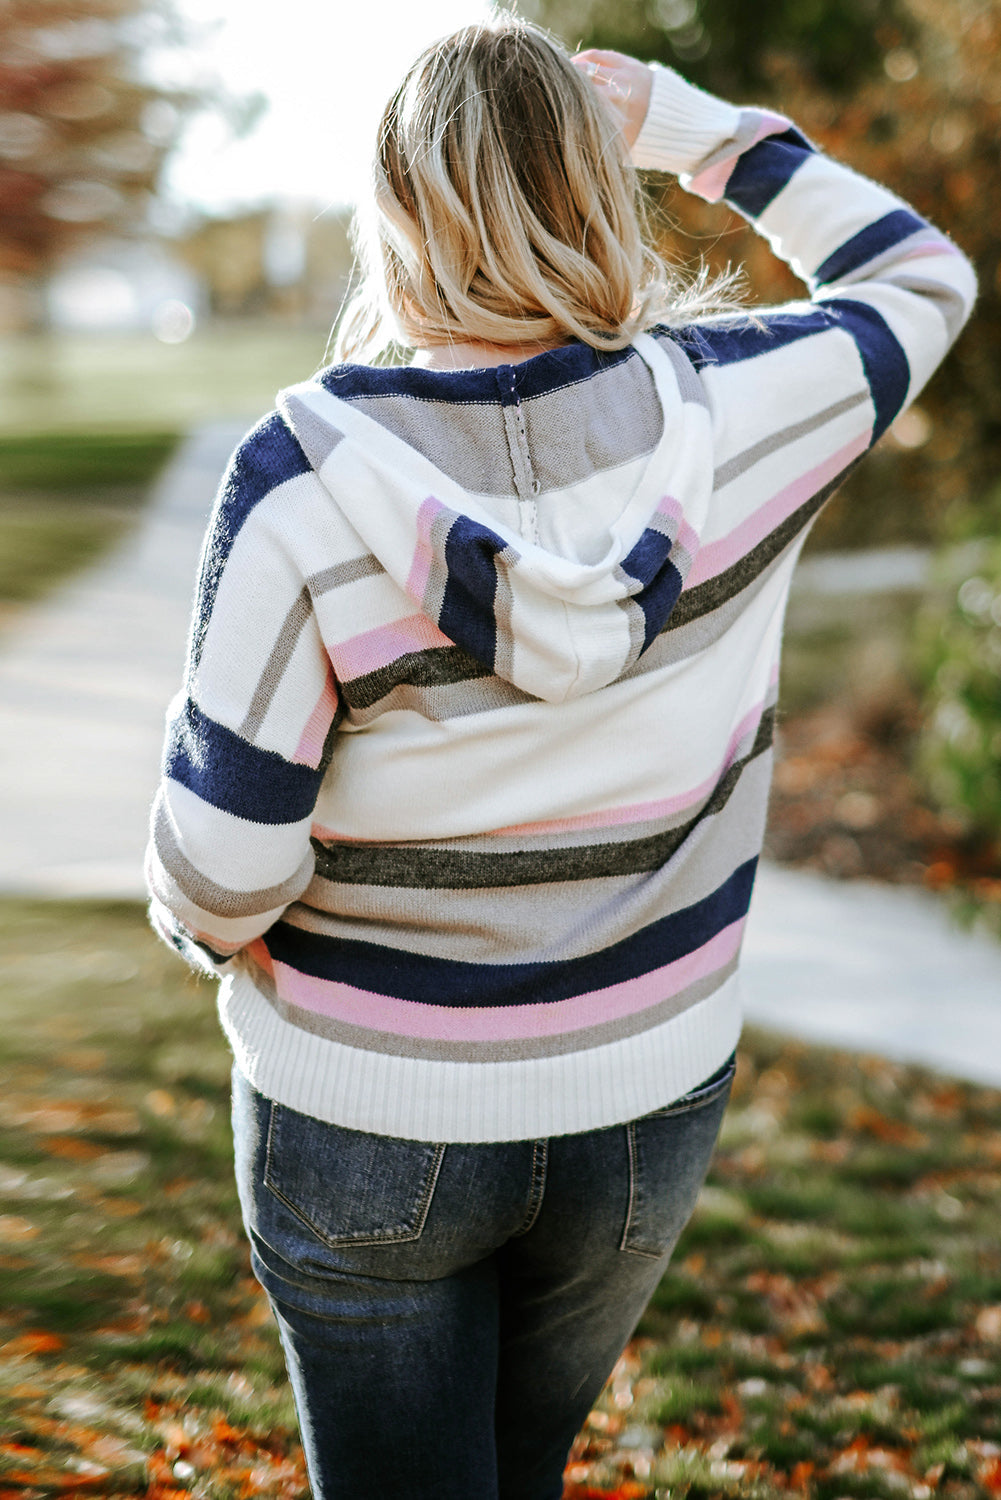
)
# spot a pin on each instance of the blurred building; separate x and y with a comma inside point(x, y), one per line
point(278, 261)
point(285, 260)
point(121, 285)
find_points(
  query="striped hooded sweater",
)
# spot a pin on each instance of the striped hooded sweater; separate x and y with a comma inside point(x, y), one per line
point(465, 790)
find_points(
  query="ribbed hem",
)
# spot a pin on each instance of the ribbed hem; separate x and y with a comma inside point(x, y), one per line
point(683, 125)
point(465, 1102)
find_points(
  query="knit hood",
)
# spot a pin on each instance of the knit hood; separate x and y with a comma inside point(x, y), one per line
point(553, 627)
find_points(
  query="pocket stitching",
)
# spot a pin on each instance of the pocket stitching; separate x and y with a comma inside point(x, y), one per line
point(701, 1099)
point(694, 1100)
point(633, 1185)
point(390, 1237)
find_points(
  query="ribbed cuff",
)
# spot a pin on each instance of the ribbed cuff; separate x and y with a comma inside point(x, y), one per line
point(683, 125)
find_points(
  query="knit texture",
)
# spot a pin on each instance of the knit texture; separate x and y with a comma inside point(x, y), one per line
point(465, 790)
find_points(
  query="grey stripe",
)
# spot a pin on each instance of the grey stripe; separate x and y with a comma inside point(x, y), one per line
point(281, 655)
point(220, 900)
point(503, 662)
point(544, 923)
point(441, 700)
point(950, 303)
point(434, 594)
point(522, 1049)
point(743, 461)
point(637, 627)
point(317, 438)
point(342, 573)
point(689, 384)
point(599, 423)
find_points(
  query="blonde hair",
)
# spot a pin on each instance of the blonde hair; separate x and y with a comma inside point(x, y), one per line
point(505, 210)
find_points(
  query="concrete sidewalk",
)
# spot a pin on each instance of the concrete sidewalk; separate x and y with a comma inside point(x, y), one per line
point(85, 678)
point(84, 682)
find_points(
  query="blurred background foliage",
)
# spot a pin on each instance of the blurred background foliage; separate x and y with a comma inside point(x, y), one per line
point(908, 92)
point(84, 128)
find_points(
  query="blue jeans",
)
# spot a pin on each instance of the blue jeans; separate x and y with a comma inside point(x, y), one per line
point(450, 1313)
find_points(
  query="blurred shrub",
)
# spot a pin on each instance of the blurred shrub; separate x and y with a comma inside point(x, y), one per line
point(959, 662)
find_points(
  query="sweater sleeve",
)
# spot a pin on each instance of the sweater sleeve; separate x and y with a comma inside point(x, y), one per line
point(877, 272)
point(250, 734)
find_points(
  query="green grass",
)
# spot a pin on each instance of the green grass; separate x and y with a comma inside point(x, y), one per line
point(66, 498)
point(111, 382)
point(67, 462)
point(831, 1323)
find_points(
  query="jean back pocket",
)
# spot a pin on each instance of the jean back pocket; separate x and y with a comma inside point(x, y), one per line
point(347, 1186)
point(669, 1155)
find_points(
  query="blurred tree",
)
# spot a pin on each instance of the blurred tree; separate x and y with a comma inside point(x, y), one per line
point(908, 92)
point(727, 45)
point(84, 130)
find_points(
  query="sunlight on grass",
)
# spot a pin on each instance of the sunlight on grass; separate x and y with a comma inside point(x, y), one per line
point(66, 498)
point(115, 381)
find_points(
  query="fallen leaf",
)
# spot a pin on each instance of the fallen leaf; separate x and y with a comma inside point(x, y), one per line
point(15, 1230)
point(34, 1343)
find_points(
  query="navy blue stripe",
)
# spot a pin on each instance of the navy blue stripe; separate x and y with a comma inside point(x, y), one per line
point(883, 359)
point(762, 173)
point(729, 343)
point(467, 610)
point(657, 602)
point(650, 562)
point(223, 770)
point(552, 370)
point(868, 243)
point(440, 981)
point(268, 456)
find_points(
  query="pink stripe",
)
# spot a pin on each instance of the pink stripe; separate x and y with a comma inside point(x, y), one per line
point(639, 812)
point(342, 1002)
point(669, 506)
point(689, 538)
point(711, 184)
point(931, 247)
point(420, 568)
point(375, 648)
point(715, 557)
point(310, 747)
point(320, 831)
point(686, 536)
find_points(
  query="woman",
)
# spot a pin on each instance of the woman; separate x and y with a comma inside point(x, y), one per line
point(465, 792)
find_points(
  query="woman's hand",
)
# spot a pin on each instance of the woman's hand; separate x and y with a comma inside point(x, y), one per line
point(623, 83)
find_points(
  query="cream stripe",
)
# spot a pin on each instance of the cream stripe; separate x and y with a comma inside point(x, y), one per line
point(741, 462)
point(220, 900)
